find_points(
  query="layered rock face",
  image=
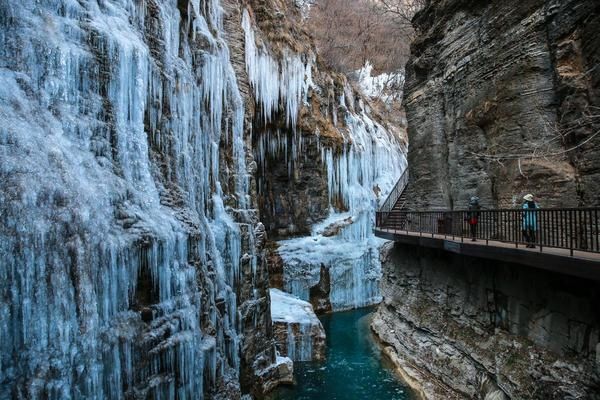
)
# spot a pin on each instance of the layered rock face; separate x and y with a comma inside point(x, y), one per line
point(502, 100)
point(467, 328)
point(498, 95)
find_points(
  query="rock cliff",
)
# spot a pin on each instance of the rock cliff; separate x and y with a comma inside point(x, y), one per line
point(460, 327)
point(503, 99)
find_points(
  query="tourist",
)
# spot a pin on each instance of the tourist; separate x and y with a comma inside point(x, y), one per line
point(473, 216)
point(529, 220)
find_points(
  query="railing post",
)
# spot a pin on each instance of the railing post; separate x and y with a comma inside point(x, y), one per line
point(462, 229)
point(540, 220)
point(594, 229)
point(487, 228)
point(571, 231)
point(518, 224)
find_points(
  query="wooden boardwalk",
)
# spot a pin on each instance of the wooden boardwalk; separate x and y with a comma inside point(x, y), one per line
point(581, 264)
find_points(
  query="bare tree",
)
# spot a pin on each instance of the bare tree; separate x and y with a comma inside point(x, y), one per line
point(558, 140)
point(348, 33)
point(403, 10)
point(402, 13)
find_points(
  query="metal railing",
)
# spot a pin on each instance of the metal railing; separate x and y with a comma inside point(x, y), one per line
point(396, 192)
point(564, 228)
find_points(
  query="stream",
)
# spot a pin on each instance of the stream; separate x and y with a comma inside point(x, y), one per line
point(355, 368)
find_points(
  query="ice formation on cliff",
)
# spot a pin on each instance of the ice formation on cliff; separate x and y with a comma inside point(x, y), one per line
point(302, 327)
point(375, 160)
point(385, 86)
point(115, 244)
point(371, 161)
point(276, 82)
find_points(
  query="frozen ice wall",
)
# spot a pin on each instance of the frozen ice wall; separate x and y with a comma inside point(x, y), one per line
point(119, 262)
point(360, 177)
point(387, 86)
point(360, 174)
point(298, 331)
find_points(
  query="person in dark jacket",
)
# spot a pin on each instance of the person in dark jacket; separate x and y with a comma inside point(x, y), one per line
point(473, 216)
point(530, 220)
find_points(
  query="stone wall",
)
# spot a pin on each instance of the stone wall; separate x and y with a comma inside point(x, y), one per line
point(497, 93)
point(464, 327)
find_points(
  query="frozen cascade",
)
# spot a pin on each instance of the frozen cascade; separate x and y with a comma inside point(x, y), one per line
point(115, 243)
point(373, 161)
point(363, 173)
point(387, 86)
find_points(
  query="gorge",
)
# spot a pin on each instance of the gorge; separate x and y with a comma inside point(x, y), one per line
point(186, 186)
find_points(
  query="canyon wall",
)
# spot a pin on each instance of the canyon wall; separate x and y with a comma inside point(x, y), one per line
point(502, 99)
point(463, 327)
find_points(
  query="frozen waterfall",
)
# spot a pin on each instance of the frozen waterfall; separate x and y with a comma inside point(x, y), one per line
point(359, 176)
point(351, 253)
point(115, 247)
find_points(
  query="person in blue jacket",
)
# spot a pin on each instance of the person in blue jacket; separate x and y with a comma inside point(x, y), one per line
point(530, 220)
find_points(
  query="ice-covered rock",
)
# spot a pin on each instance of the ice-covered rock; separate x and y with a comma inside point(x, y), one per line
point(120, 261)
point(281, 372)
point(298, 332)
point(386, 86)
point(361, 159)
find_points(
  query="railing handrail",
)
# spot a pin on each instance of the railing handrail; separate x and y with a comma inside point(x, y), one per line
point(499, 209)
point(573, 228)
point(395, 193)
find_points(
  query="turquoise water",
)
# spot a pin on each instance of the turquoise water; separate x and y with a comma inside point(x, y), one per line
point(354, 370)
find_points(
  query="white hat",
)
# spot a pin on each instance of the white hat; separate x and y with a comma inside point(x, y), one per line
point(528, 197)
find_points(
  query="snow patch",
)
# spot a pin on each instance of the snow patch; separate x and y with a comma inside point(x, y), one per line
point(288, 308)
point(387, 86)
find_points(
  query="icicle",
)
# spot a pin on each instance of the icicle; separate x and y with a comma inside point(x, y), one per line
point(88, 105)
point(373, 157)
point(276, 83)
